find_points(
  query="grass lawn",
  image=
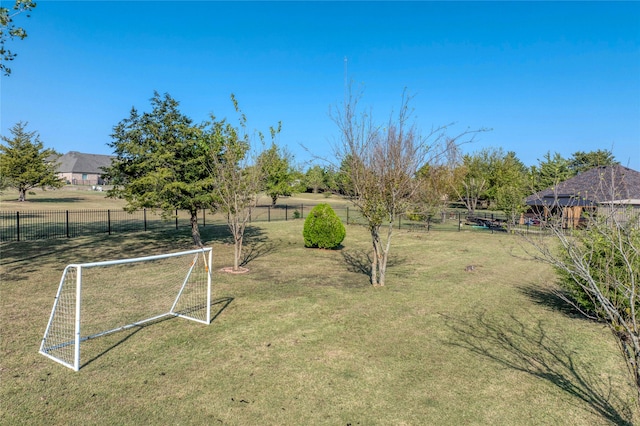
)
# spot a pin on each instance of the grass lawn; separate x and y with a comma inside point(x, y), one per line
point(304, 339)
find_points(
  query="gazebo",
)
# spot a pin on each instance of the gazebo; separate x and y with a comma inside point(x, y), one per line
point(611, 190)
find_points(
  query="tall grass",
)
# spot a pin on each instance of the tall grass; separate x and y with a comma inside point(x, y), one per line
point(304, 339)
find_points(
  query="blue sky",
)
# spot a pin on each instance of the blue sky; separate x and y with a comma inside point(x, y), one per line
point(559, 77)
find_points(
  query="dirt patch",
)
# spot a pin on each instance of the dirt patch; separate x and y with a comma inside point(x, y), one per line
point(230, 270)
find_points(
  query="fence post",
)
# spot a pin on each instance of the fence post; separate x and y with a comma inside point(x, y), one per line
point(109, 221)
point(176, 218)
point(18, 225)
point(204, 217)
point(268, 213)
point(301, 211)
point(459, 222)
point(144, 218)
point(67, 223)
point(286, 212)
point(347, 215)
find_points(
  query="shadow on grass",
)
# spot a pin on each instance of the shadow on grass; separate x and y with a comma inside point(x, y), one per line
point(254, 251)
point(221, 304)
point(32, 200)
point(359, 261)
point(529, 349)
point(106, 247)
point(551, 299)
point(20, 259)
point(255, 243)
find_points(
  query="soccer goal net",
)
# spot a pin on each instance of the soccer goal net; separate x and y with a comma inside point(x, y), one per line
point(100, 298)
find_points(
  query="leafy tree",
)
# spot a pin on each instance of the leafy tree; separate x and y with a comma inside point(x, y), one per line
point(599, 268)
point(315, 179)
point(4, 184)
point(331, 179)
point(25, 163)
point(511, 189)
point(493, 159)
point(9, 31)
point(474, 181)
point(342, 176)
point(437, 188)
point(159, 162)
point(279, 175)
point(321, 179)
point(551, 171)
point(236, 176)
point(439, 180)
point(499, 178)
point(582, 161)
point(297, 180)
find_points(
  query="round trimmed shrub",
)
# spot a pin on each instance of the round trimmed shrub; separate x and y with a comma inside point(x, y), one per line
point(323, 228)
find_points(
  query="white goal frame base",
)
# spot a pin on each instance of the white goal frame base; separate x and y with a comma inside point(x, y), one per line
point(52, 342)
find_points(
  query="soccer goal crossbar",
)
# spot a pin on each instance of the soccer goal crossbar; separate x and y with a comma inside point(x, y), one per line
point(99, 298)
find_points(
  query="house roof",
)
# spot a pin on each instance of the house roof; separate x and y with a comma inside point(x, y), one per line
point(78, 162)
point(595, 186)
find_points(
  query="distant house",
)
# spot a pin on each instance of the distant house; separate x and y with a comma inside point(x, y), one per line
point(607, 190)
point(77, 168)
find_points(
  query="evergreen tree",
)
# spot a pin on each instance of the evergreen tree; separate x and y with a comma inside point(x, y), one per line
point(551, 171)
point(25, 163)
point(278, 172)
point(160, 163)
point(583, 161)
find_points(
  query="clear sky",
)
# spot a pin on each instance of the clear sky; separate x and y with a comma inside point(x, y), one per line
point(559, 77)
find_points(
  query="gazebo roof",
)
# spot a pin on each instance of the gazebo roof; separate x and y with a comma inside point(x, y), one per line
point(599, 185)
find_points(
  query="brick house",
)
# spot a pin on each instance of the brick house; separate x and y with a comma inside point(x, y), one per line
point(77, 168)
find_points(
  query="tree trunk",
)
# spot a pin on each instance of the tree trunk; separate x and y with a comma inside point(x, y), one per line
point(384, 252)
point(22, 194)
point(195, 231)
point(382, 268)
point(379, 261)
point(274, 198)
point(374, 258)
point(237, 252)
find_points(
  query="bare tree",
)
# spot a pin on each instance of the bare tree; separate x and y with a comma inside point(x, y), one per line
point(382, 163)
point(237, 176)
point(597, 256)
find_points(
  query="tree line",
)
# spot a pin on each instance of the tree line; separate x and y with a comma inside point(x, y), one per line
point(489, 178)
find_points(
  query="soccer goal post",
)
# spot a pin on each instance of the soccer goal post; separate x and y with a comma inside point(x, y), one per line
point(100, 298)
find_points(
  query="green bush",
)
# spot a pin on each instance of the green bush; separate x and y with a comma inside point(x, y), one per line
point(323, 228)
point(614, 267)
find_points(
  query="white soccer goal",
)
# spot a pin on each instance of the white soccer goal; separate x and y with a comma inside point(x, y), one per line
point(100, 298)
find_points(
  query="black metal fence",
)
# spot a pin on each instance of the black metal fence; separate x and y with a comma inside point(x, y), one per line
point(38, 225)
